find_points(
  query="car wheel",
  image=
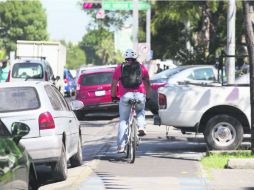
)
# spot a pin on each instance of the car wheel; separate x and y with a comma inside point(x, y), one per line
point(223, 132)
point(77, 159)
point(60, 167)
point(33, 183)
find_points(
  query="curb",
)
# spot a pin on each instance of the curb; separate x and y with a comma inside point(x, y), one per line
point(240, 163)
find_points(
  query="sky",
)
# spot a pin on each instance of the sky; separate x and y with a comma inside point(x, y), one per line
point(66, 20)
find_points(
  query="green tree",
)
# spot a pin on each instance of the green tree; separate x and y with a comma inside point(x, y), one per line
point(75, 56)
point(99, 45)
point(200, 23)
point(21, 20)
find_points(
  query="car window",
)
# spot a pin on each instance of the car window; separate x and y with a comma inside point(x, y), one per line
point(27, 70)
point(18, 99)
point(61, 98)
point(202, 74)
point(164, 75)
point(96, 79)
point(55, 102)
point(3, 131)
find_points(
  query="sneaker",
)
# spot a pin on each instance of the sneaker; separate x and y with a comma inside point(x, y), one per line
point(141, 132)
point(121, 149)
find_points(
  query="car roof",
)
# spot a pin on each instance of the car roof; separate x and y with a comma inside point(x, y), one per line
point(23, 83)
point(176, 70)
point(96, 67)
point(41, 61)
point(98, 70)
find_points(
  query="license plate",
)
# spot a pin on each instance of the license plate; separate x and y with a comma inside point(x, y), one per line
point(100, 93)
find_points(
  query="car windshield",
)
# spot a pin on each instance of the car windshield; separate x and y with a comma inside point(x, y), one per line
point(27, 70)
point(18, 99)
point(164, 75)
point(97, 79)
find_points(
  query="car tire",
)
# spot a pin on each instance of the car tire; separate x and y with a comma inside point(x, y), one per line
point(223, 132)
point(33, 183)
point(77, 159)
point(60, 167)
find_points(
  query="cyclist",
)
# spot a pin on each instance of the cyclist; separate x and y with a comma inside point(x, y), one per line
point(134, 83)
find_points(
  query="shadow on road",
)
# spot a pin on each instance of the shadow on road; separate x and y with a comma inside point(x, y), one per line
point(100, 116)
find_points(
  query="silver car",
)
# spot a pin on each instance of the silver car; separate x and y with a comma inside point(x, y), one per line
point(55, 134)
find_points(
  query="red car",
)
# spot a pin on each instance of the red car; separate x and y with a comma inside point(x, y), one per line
point(94, 90)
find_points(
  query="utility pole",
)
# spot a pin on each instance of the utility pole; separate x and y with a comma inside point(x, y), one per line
point(230, 61)
point(248, 10)
point(135, 24)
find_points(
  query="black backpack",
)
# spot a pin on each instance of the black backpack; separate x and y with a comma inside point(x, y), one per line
point(131, 75)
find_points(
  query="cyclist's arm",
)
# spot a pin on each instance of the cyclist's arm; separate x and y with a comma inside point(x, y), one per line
point(146, 82)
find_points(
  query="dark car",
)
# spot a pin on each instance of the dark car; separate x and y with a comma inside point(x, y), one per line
point(17, 170)
point(94, 90)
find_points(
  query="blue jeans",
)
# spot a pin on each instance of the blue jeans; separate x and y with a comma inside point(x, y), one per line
point(124, 111)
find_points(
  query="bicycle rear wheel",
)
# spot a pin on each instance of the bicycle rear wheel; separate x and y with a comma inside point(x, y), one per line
point(131, 147)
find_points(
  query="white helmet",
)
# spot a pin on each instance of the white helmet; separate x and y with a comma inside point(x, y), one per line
point(130, 53)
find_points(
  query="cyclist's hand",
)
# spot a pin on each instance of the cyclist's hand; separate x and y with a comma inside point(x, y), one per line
point(115, 99)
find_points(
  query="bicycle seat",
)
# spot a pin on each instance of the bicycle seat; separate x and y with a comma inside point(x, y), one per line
point(134, 102)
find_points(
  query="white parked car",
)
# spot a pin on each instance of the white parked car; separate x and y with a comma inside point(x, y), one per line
point(55, 134)
point(190, 73)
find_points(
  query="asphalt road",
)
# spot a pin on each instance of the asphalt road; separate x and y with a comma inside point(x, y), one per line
point(161, 163)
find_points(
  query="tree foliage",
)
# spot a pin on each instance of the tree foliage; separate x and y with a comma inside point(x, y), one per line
point(98, 45)
point(21, 20)
point(202, 24)
point(75, 56)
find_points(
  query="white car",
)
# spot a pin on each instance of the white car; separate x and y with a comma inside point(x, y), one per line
point(55, 134)
point(190, 73)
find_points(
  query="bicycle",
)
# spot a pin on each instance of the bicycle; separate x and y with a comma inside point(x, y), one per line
point(133, 139)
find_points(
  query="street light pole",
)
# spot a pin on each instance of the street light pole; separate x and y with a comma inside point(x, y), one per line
point(135, 24)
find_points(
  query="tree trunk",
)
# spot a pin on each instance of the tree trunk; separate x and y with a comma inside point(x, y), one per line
point(248, 11)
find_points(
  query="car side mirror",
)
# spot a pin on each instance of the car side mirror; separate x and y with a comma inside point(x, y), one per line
point(19, 130)
point(76, 105)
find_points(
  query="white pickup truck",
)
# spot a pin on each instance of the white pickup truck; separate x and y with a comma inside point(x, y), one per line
point(221, 113)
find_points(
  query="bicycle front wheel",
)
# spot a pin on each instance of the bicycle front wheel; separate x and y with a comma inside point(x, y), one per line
point(131, 147)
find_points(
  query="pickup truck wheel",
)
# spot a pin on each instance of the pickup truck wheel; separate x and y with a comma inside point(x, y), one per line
point(223, 132)
point(77, 159)
point(60, 167)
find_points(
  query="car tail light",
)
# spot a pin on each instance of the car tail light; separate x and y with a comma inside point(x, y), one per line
point(9, 77)
point(46, 121)
point(46, 76)
point(162, 101)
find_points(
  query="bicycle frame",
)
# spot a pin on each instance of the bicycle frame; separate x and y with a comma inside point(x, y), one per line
point(132, 140)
